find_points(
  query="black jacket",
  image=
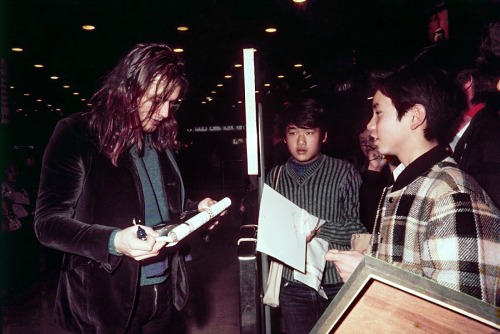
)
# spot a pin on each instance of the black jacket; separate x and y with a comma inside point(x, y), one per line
point(82, 198)
point(478, 151)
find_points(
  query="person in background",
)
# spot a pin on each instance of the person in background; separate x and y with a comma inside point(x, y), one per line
point(16, 197)
point(325, 187)
point(376, 174)
point(476, 145)
point(435, 220)
point(103, 171)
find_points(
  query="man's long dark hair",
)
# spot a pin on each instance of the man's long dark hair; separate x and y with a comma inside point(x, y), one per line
point(114, 107)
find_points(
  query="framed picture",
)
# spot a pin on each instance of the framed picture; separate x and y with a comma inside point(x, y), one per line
point(382, 298)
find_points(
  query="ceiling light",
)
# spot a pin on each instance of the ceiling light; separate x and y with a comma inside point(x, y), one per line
point(76, 93)
point(54, 77)
point(271, 30)
point(182, 28)
point(38, 100)
point(178, 50)
point(297, 65)
point(267, 85)
point(83, 100)
point(213, 92)
point(17, 49)
point(281, 76)
point(299, 1)
point(66, 86)
point(220, 85)
point(38, 65)
point(88, 27)
point(12, 87)
point(228, 76)
point(26, 94)
point(238, 65)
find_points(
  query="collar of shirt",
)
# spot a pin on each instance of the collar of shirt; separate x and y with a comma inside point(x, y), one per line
point(419, 166)
point(474, 109)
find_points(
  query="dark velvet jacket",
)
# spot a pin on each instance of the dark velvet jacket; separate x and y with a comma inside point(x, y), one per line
point(83, 197)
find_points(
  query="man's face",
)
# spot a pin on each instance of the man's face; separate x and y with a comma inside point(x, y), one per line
point(390, 134)
point(304, 144)
point(149, 121)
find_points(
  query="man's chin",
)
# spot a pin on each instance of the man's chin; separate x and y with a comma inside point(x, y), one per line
point(304, 160)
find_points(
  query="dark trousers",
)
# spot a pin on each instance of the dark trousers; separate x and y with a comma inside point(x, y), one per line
point(153, 310)
point(301, 306)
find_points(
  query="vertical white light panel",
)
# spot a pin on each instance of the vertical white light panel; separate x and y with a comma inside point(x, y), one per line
point(250, 112)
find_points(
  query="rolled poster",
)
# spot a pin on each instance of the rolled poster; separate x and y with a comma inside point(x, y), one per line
point(189, 226)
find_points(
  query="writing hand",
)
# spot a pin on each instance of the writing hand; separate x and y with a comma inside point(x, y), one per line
point(127, 243)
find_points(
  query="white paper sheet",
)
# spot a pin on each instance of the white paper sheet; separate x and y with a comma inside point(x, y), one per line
point(279, 233)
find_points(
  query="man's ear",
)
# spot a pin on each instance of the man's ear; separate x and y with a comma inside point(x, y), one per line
point(418, 116)
point(325, 136)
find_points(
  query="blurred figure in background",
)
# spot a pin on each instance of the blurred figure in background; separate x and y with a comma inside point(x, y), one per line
point(476, 145)
point(375, 176)
point(16, 197)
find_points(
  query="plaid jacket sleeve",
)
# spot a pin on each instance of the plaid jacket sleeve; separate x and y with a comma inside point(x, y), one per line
point(461, 246)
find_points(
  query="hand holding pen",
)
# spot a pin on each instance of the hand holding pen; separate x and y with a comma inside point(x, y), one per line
point(138, 242)
point(141, 233)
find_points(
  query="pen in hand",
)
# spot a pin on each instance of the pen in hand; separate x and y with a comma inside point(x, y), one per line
point(141, 233)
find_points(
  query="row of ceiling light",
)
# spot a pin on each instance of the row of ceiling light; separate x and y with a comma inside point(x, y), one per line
point(182, 28)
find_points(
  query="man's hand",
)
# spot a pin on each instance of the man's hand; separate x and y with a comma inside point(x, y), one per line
point(344, 261)
point(204, 205)
point(127, 243)
point(376, 161)
point(312, 235)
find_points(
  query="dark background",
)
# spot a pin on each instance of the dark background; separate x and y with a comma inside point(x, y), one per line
point(339, 42)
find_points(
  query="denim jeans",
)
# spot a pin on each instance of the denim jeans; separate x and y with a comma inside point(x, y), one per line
point(301, 306)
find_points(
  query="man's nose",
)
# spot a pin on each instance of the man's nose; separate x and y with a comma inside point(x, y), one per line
point(301, 139)
point(371, 123)
point(164, 110)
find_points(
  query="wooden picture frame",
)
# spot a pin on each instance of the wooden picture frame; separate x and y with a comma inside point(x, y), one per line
point(382, 298)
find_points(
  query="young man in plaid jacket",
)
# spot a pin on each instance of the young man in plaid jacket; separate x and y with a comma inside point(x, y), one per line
point(435, 220)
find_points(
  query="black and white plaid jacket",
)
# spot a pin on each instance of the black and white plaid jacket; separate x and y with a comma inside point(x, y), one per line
point(436, 221)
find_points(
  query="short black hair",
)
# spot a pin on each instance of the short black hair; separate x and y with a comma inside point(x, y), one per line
point(306, 113)
point(443, 99)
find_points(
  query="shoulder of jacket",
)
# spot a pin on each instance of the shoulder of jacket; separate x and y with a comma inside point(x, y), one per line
point(77, 123)
point(447, 177)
